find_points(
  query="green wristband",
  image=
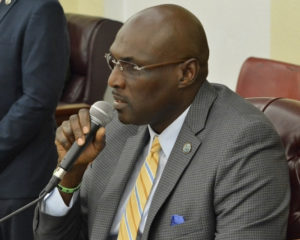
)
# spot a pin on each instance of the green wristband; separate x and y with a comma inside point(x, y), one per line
point(68, 190)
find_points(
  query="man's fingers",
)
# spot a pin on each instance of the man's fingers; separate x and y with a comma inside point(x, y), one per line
point(62, 139)
point(77, 129)
point(84, 116)
point(99, 141)
point(67, 131)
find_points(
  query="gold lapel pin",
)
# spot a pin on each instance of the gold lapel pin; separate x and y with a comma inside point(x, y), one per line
point(7, 2)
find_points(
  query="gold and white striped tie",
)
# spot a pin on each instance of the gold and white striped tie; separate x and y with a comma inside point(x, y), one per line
point(134, 209)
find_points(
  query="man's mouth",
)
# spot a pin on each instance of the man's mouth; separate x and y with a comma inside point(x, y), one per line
point(119, 102)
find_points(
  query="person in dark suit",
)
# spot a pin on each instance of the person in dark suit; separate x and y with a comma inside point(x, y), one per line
point(34, 54)
point(221, 170)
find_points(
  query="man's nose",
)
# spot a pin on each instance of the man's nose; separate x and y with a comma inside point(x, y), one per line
point(116, 78)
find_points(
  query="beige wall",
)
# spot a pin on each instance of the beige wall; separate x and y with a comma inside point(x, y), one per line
point(285, 30)
point(236, 29)
point(88, 7)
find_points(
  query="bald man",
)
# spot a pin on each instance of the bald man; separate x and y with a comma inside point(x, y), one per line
point(221, 170)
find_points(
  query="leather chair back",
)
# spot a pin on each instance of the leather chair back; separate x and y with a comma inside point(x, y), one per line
point(86, 83)
point(90, 39)
point(284, 113)
point(268, 78)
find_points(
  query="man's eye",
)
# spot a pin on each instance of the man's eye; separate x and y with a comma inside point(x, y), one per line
point(128, 66)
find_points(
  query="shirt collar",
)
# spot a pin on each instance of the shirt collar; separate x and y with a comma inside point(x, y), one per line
point(168, 136)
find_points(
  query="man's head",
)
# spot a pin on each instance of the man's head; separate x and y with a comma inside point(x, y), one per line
point(172, 41)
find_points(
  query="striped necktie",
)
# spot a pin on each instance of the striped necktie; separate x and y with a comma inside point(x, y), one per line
point(131, 218)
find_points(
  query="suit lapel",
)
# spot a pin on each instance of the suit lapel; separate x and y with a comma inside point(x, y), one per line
point(4, 8)
point(176, 165)
point(180, 157)
point(109, 201)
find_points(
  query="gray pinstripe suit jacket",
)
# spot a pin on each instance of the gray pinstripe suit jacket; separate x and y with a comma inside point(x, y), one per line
point(233, 184)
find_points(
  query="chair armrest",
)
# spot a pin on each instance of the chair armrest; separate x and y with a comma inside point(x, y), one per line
point(64, 111)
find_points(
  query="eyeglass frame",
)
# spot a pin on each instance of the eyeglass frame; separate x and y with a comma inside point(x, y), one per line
point(108, 57)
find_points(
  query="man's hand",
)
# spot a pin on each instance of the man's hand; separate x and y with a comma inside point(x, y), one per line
point(74, 130)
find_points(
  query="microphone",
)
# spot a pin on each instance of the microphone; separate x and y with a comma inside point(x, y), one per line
point(101, 113)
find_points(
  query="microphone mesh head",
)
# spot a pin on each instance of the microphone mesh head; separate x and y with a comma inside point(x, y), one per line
point(101, 113)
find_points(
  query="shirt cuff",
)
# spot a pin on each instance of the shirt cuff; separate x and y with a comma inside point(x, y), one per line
point(54, 205)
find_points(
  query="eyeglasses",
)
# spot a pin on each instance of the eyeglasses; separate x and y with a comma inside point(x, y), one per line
point(129, 67)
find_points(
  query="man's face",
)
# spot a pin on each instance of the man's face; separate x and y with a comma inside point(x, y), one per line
point(148, 96)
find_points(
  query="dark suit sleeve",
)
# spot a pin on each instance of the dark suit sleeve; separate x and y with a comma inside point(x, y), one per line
point(44, 58)
point(70, 226)
point(252, 186)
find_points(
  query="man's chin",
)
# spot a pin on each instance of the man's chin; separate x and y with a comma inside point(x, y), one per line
point(125, 119)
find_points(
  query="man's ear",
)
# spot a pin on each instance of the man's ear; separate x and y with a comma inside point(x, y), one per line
point(190, 69)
